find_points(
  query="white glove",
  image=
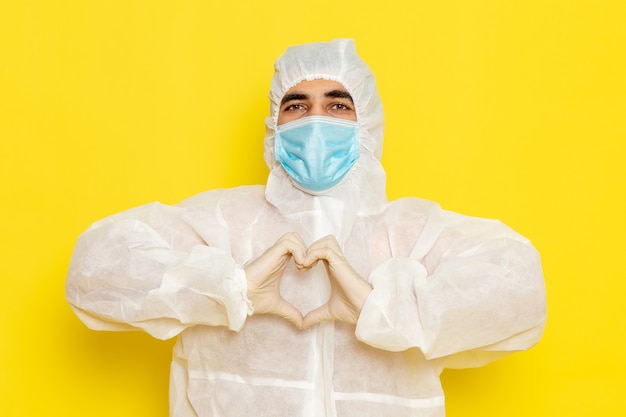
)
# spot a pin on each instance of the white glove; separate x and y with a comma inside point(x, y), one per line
point(264, 275)
point(348, 289)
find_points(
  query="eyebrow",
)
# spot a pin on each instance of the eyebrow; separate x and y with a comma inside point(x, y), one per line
point(294, 97)
point(302, 96)
point(339, 94)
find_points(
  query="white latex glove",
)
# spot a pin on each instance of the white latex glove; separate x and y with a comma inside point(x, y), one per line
point(348, 289)
point(264, 275)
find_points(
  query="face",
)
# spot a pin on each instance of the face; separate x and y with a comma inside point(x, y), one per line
point(316, 98)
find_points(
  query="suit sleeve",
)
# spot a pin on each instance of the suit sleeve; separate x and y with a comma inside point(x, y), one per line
point(147, 269)
point(471, 290)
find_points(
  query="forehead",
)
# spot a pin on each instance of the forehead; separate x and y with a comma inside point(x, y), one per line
point(315, 87)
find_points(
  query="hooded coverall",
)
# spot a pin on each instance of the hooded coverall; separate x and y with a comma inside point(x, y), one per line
point(448, 290)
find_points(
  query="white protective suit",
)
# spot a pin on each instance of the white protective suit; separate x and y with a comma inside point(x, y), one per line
point(448, 290)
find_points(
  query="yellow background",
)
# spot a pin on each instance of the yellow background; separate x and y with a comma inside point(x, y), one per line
point(507, 109)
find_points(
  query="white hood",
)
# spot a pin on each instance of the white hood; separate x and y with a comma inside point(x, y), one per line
point(363, 190)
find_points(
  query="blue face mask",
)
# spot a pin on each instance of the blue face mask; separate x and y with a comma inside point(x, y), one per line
point(317, 151)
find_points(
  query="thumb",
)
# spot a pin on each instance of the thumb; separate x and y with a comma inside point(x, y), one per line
point(289, 312)
point(319, 315)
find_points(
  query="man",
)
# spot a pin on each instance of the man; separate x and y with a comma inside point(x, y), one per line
point(313, 295)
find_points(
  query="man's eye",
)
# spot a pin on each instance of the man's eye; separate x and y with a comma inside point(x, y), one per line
point(340, 106)
point(294, 107)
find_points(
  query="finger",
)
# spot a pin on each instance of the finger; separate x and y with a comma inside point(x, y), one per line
point(326, 248)
point(291, 243)
point(319, 315)
point(289, 312)
point(306, 266)
point(326, 242)
point(293, 237)
point(329, 255)
point(276, 256)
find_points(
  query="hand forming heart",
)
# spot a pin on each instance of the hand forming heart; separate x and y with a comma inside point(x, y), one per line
point(348, 289)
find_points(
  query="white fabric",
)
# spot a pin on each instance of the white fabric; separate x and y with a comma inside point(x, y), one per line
point(447, 289)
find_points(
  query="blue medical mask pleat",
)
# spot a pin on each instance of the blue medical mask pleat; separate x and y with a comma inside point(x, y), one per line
point(317, 151)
